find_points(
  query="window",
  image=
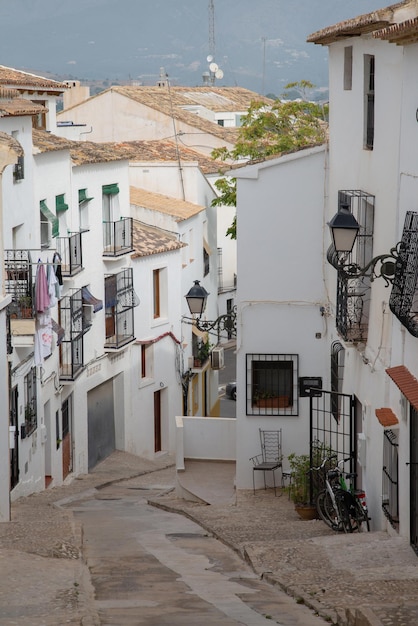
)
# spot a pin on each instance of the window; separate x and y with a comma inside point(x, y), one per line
point(83, 209)
point(156, 292)
point(390, 497)
point(337, 378)
point(39, 120)
point(271, 384)
point(353, 294)
point(147, 361)
point(369, 71)
point(19, 169)
point(49, 225)
point(31, 417)
point(159, 293)
point(120, 300)
point(71, 349)
point(348, 67)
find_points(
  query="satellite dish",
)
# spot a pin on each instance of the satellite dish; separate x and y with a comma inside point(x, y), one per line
point(209, 58)
point(213, 67)
point(219, 74)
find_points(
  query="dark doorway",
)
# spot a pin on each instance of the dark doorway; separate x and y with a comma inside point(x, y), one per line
point(413, 468)
point(14, 452)
point(157, 421)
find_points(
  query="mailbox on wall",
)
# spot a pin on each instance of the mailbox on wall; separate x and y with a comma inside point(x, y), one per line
point(310, 386)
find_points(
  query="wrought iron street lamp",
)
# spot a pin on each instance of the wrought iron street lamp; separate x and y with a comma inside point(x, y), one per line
point(344, 230)
point(196, 300)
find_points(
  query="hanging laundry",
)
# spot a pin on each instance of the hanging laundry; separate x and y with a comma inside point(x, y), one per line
point(56, 261)
point(52, 282)
point(42, 300)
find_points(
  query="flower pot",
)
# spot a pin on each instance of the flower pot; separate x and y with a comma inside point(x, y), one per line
point(306, 511)
point(276, 402)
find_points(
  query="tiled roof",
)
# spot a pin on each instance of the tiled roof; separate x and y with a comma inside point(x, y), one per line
point(406, 382)
point(174, 101)
point(149, 240)
point(148, 151)
point(9, 142)
point(404, 33)
point(165, 150)
point(19, 106)
point(179, 209)
point(386, 417)
point(17, 78)
point(360, 25)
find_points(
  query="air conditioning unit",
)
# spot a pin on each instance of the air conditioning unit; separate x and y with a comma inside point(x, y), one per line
point(217, 358)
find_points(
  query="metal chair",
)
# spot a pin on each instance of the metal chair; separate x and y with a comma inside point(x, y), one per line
point(271, 456)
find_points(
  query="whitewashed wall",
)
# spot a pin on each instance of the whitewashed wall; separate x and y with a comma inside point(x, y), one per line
point(280, 289)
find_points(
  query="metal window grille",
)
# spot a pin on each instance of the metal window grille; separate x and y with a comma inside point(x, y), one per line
point(120, 299)
point(71, 316)
point(271, 384)
point(390, 486)
point(353, 294)
point(31, 416)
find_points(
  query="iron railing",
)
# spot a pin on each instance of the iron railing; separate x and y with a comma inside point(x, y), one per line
point(118, 237)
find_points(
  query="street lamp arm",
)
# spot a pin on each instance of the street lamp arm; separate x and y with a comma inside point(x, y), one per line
point(381, 266)
point(224, 323)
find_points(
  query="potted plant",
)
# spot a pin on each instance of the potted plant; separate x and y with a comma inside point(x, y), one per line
point(25, 307)
point(204, 351)
point(299, 488)
point(268, 399)
point(303, 479)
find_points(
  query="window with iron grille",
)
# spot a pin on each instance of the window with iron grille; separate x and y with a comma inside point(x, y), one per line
point(71, 349)
point(337, 377)
point(390, 495)
point(369, 69)
point(31, 416)
point(353, 294)
point(120, 300)
point(271, 384)
point(19, 169)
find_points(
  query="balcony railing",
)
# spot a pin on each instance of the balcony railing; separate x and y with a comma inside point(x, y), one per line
point(73, 321)
point(19, 283)
point(71, 253)
point(118, 237)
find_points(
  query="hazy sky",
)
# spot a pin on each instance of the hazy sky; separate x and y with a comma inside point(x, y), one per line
point(258, 43)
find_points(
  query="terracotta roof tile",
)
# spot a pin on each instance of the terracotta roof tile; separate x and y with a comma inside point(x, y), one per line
point(406, 382)
point(9, 142)
point(403, 33)
point(148, 240)
point(178, 102)
point(179, 209)
point(148, 151)
point(358, 26)
point(19, 106)
point(386, 417)
point(21, 80)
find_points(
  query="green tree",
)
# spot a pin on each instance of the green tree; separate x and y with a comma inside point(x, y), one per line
point(271, 130)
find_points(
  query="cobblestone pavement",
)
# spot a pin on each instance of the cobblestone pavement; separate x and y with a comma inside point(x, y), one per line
point(366, 579)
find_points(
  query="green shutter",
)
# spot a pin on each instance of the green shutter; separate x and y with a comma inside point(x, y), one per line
point(51, 217)
point(60, 204)
point(110, 190)
point(82, 196)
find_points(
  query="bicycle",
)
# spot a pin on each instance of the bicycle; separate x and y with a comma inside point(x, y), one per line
point(340, 507)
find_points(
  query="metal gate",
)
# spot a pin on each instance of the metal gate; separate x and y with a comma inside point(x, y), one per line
point(413, 469)
point(332, 424)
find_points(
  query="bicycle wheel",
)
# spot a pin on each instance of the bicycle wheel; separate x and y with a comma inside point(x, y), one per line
point(326, 510)
point(348, 523)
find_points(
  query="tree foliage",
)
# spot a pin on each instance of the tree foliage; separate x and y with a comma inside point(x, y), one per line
point(271, 130)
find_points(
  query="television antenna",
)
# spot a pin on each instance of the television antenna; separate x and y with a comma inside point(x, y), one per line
point(215, 71)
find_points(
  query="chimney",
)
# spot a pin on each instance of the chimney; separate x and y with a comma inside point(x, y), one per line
point(75, 93)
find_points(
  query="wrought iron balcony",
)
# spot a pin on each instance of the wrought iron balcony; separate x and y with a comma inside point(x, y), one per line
point(118, 237)
point(71, 253)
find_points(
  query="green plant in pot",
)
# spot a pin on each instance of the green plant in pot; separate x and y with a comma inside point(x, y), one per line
point(303, 479)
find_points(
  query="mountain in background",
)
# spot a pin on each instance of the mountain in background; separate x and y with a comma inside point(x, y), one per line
point(259, 44)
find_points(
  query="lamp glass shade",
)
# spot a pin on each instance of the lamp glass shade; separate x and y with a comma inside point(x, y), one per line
point(196, 298)
point(344, 229)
